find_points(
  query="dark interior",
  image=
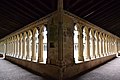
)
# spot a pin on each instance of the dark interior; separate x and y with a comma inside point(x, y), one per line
point(15, 14)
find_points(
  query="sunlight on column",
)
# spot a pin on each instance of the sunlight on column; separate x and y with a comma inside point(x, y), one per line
point(84, 44)
point(76, 44)
point(44, 45)
point(91, 46)
point(36, 36)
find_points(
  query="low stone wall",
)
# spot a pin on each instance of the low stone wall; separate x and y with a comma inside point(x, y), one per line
point(73, 70)
point(54, 71)
point(46, 70)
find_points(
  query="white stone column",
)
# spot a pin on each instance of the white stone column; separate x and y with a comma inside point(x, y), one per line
point(34, 46)
point(106, 44)
point(8, 47)
point(110, 46)
point(97, 45)
point(116, 47)
point(92, 44)
point(100, 45)
point(17, 46)
point(24, 45)
point(20, 46)
point(104, 51)
point(80, 43)
point(113, 49)
point(40, 51)
point(87, 46)
point(11, 47)
point(29, 49)
point(14, 46)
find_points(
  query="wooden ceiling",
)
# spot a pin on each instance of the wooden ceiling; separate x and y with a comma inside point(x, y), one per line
point(14, 14)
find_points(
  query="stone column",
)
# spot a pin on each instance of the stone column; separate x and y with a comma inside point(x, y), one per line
point(20, 46)
point(40, 51)
point(24, 45)
point(106, 44)
point(104, 52)
point(97, 45)
point(110, 46)
point(80, 43)
point(11, 44)
point(14, 46)
point(29, 51)
point(6, 47)
point(87, 47)
point(92, 44)
point(115, 46)
point(11, 48)
point(100, 45)
point(34, 46)
point(17, 46)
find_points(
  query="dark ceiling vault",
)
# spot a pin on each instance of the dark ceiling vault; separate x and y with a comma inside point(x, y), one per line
point(15, 14)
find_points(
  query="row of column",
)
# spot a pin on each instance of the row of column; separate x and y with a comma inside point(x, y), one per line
point(28, 45)
point(91, 44)
point(94, 44)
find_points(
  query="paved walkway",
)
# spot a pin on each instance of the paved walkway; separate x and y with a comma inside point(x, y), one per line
point(109, 71)
point(9, 71)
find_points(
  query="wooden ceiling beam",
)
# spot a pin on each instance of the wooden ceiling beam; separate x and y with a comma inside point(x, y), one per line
point(35, 7)
point(20, 10)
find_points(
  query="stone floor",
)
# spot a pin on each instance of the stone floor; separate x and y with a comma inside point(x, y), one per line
point(108, 71)
point(9, 71)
